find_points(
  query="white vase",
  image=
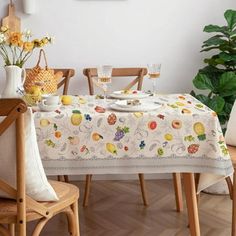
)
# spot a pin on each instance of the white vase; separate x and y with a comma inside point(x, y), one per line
point(29, 6)
point(15, 77)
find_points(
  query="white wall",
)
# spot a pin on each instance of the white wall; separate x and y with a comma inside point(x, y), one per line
point(125, 33)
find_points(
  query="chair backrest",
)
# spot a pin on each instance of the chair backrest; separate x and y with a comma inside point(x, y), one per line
point(138, 73)
point(12, 110)
point(65, 80)
point(12, 113)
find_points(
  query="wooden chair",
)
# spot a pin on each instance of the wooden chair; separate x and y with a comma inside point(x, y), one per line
point(24, 209)
point(138, 75)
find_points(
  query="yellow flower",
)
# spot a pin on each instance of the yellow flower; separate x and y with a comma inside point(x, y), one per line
point(21, 43)
point(15, 38)
point(45, 40)
point(36, 43)
point(28, 46)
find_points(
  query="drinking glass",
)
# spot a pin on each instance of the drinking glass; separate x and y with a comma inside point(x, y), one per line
point(104, 78)
point(154, 73)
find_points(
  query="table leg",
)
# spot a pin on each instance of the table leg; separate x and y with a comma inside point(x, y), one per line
point(87, 189)
point(178, 191)
point(191, 200)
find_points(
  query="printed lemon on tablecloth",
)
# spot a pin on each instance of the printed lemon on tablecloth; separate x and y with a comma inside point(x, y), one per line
point(76, 117)
point(199, 129)
point(168, 137)
point(111, 148)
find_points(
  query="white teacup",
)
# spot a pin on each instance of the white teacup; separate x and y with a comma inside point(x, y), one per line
point(51, 100)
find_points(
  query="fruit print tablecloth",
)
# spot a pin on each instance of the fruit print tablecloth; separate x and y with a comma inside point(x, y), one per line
point(183, 135)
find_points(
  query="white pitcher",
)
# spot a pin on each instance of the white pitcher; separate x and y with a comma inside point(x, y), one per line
point(15, 77)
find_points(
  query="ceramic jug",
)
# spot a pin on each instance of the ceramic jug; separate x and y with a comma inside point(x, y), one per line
point(15, 77)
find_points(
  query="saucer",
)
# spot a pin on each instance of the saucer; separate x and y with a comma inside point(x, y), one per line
point(48, 108)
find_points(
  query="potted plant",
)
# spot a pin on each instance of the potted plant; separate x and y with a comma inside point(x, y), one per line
point(218, 77)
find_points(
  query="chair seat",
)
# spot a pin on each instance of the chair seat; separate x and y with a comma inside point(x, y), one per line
point(67, 194)
point(232, 152)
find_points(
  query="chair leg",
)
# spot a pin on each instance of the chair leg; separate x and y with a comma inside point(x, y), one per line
point(60, 178)
point(230, 186)
point(66, 178)
point(190, 193)
point(75, 210)
point(12, 229)
point(143, 189)
point(38, 228)
point(87, 189)
point(178, 191)
point(71, 220)
point(234, 205)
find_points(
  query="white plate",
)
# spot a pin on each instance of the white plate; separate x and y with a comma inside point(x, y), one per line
point(145, 106)
point(121, 95)
point(48, 108)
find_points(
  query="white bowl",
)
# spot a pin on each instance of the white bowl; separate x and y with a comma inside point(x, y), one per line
point(48, 108)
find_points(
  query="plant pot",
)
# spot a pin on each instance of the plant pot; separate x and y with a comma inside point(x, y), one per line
point(29, 6)
point(15, 77)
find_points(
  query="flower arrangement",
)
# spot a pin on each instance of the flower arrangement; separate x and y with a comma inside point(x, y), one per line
point(17, 47)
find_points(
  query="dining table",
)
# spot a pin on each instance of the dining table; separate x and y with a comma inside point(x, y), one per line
point(93, 136)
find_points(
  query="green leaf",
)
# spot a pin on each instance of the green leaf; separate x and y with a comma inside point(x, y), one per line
point(215, 28)
point(215, 40)
point(230, 16)
point(230, 99)
point(211, 61)
point(209, 48)
point(227, 82)
point(126, 129)
point(201, 81)
point(227, 56)
point(223, 119)
point(216, 104)
point(193, 93)
point(76, 112)
point(202, 98)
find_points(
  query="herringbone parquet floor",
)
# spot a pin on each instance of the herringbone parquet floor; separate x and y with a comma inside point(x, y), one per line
point(115, 209)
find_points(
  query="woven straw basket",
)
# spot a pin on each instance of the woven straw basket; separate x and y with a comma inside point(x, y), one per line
point(43, 76)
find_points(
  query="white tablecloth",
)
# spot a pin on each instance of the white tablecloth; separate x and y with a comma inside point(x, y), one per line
point(183, 135)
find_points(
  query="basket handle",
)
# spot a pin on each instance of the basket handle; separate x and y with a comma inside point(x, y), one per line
point(45, 59)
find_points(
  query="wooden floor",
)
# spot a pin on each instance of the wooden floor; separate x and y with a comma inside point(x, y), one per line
point(115, 209)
